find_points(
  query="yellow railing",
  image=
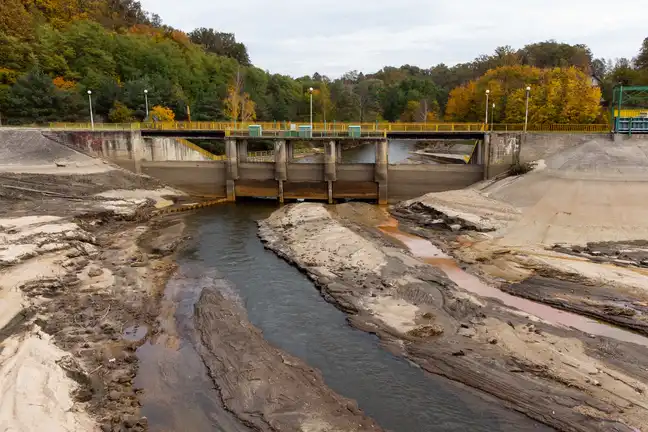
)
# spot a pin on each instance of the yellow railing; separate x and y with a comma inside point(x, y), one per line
point(320, 129)
point(631, 113)
point(519, 127)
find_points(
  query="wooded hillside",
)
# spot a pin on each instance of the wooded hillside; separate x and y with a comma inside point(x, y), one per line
point(53, 51)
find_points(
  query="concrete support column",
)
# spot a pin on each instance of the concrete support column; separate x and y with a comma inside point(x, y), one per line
point(290, 151)
point(486, 149)
point(137, 146)
point(478, 154)
point(338, 148)
point(330, 167)
point(281, 167)
point(232, 167)
point(242, 150)
point(382, 166)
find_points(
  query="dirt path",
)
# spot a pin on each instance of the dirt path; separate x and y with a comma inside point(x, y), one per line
point(556, 375)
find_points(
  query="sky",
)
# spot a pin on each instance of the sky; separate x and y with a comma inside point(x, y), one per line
point(332, 37)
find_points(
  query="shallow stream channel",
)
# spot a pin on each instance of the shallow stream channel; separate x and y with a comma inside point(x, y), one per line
point(284, 304)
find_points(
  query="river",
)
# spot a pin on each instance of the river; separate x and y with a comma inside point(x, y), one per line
point(287, 307)
point(399, 150)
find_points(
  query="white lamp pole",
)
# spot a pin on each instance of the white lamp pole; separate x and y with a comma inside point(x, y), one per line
point(146, 102)
point(486, 119)
point(310, 90)
point(526, 115)
point(492, 115)
point(91, 115)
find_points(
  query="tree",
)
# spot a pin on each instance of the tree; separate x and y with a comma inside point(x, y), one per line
point(558, 95)
point(120, 113)
point(219, 43)
point(367, 93)
point(642, 59)
point(35, 99)
point(162, 114)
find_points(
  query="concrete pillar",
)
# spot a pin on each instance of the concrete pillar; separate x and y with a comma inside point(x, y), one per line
point(281, 167)
point(290, 151)
point(382, 166)
point(478, 155)
point(137, 146)
point(330, 168)
point(232, 167)
point(486, 155)
point(338, 148)
point(242, 150)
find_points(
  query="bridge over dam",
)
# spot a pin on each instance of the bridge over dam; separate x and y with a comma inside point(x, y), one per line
point(168, 156)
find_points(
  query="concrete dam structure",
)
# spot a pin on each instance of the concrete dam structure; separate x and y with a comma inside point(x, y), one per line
point(173, 161)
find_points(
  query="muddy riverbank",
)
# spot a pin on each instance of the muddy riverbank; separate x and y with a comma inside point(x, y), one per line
point(81, 265)
point(554, 374)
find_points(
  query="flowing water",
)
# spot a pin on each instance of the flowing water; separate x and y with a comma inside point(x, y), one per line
point(287, 307)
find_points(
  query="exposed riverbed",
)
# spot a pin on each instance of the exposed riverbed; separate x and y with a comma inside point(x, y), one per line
point(283, 303)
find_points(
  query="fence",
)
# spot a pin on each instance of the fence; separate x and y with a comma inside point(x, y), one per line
point(333, 129)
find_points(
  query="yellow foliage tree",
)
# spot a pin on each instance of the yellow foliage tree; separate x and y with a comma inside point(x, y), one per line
point(63, 84)
point(559, 95)
point(162, 114)
point(248, 108)
point(233, 103)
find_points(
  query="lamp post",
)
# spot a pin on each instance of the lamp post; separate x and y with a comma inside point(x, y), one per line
point(486, 119)
point(91, 115)
point(526, 115)
point(492, 115)
point(146, 102)
point(310, 90)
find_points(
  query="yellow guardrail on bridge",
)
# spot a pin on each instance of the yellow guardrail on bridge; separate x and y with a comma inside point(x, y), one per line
point(321, 129)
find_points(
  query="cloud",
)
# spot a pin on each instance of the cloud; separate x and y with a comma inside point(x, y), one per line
point(299, 37)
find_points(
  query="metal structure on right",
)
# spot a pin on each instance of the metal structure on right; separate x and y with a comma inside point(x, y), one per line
point(629, 109)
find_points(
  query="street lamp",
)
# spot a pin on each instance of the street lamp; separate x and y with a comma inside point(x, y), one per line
point(310, 90)
point(487, 94)
point(91, 115)
point(526, 115)
point(492, 116)
point(146, 102)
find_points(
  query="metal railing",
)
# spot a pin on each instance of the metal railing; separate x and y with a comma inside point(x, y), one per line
point(332, 129)
point(576, 128)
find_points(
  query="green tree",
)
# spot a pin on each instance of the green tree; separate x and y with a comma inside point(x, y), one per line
point(120, 113)
point(35, 99)
point(219, 43)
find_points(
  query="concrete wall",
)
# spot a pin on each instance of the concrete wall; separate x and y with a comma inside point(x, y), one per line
point(128, 145)
point(170, 149)
point(537, 146)
point(206, 179)
point(504, 146)
point(411, 181)
point(111, 145)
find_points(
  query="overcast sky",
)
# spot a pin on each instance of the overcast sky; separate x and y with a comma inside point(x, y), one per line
point(300, 37)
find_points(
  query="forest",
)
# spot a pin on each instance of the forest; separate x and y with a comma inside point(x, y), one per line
point(52, 52)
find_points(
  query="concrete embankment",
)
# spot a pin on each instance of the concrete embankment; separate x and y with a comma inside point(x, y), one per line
point(578, 217)
point(450, 331)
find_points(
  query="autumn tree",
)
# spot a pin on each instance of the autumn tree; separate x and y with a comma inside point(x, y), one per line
point(162, 114)
point(558, 95)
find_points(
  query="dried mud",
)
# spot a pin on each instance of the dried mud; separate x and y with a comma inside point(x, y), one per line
point(267, 389)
